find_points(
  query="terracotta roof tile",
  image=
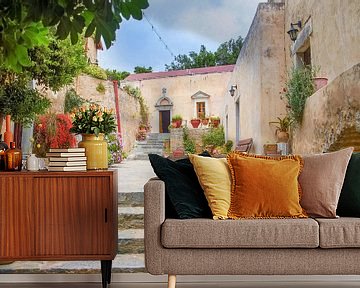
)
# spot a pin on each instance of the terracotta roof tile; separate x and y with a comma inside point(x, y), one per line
point(175, 73)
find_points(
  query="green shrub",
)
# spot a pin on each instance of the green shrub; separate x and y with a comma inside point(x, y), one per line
point(215, 137)
point(95, 71)
point(298, 88)
point(189, 144)
point(176, 117)
point(100, 88)
point(228, 146)
point(72, 100)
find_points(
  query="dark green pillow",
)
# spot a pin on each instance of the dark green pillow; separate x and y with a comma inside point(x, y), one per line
point(349, 202)
point(183, 191)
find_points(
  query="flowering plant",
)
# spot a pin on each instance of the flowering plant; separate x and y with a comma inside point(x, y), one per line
point(92, 119)
point(52, 131)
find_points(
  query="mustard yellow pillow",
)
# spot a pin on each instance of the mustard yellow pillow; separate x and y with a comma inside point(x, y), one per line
point(265, 187)
point(215, 179)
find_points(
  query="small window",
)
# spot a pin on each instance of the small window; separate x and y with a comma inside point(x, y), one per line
point(200, 109)
point(307, 57)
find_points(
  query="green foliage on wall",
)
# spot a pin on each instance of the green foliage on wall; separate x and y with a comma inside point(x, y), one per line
point(215, 137)
point(95, 71)
point(100, 88)
point(72, 100)
point(144, 109)
point(189, 143)
point(299, 87)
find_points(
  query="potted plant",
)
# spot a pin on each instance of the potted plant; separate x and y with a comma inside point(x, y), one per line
point(204, 119)
point(282, 128)
point(176, 120)
point(215, 121)
point(195, 122)
point(93, 123)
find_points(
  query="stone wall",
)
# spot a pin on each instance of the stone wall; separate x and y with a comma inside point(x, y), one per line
point(176, 138)
point(259, 76)
point(329, 113)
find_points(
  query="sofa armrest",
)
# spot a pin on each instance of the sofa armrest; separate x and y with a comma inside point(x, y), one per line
point(154, 216)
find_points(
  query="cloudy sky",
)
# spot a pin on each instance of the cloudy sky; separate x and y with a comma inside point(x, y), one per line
point(183, 25)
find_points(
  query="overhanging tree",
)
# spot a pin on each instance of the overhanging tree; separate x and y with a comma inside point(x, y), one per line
point(24, 23)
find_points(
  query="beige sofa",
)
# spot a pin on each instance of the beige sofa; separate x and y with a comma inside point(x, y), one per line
point(246, 247)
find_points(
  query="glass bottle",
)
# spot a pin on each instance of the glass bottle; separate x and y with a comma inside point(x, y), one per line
point(13, 158)
point(3, 148)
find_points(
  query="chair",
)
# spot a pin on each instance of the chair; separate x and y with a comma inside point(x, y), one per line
point(244, 145)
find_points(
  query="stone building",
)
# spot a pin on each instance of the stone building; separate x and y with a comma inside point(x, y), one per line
point(328, 39)
point(186, 92)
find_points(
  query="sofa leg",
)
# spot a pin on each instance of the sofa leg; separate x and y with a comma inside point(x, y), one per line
point(171, 281)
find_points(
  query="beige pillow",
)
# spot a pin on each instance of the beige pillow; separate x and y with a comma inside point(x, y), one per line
point(321, 181)
point(215, 179)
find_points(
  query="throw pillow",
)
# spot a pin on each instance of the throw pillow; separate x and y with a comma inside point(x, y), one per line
point(184, 197)
point(321, 181)
point(265, 187)
point(349, 202)
point(215, 179)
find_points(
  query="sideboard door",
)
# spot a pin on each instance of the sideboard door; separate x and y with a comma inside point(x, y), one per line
point(73, 216)
point(16, 217)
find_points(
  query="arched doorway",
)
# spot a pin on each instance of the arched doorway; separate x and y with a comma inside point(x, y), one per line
point(164, 106)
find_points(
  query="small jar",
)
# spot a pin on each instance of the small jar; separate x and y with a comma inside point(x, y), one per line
point(13, 158)
point(32, 163)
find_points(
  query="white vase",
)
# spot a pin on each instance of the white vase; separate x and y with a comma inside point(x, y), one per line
point(32, 163)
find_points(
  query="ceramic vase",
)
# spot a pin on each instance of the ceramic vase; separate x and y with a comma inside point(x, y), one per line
point(95, 150)
point(8, 135)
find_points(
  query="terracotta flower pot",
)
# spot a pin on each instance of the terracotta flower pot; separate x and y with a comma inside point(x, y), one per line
point(177, 123)
point(205, 121)
point(195, 123)
point(282, 137)
point(215, 122)
point(320, 82)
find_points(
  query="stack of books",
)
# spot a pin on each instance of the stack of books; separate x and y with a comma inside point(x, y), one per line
point(67, 159)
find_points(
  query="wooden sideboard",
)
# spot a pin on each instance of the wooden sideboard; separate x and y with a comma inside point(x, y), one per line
point(59, 216)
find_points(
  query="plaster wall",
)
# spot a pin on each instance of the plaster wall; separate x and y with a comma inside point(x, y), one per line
point(335, 34)
point(180, 89)
point(330, 111)
point(259, 76)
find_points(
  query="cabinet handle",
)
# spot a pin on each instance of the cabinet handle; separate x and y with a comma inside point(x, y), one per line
point(106, 217)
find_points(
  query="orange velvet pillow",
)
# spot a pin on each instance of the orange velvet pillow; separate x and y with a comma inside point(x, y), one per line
point(265, 187)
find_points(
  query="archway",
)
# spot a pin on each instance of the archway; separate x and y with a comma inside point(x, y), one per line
point(164, 106)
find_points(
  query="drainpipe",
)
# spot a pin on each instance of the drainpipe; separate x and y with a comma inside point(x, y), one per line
point(117, 109)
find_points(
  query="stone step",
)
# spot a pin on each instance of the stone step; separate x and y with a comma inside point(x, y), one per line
point(149, 145)
point(123, 263)
point(130, 218)
point(131, 199)
point(148, 149)
point(131, 241)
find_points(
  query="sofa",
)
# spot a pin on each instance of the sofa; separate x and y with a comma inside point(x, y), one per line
point(284, 246)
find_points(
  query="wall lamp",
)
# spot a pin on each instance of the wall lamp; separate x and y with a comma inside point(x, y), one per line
point(232, 90)
point(293, 31)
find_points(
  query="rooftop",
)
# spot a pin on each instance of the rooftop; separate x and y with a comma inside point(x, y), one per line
point(175, 73)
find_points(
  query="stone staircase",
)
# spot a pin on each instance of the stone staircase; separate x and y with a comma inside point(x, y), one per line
point(154, 143)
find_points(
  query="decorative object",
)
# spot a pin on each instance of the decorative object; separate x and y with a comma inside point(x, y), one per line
point(32, 163)
point(195, 122)
point(13, 158)
point(176, 120)
point(96, 151)
point(321, 181)
point(232, 90)
point(320, 82)
point(282, 129)
point(93, 122)
point(215, 179)
point(184, 195)
point(265, 187)
point(270, 149)
point(8, 135)
point(3, 148)
point(293, 31)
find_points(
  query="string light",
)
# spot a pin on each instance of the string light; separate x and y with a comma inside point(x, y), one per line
point(158, 35)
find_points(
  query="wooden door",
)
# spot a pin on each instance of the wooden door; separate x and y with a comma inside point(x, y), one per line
point(74, 216)
point(16, 217)
point(164, 121)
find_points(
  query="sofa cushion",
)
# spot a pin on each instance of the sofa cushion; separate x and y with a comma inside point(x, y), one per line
point(339, 233)
point(184, 195)
point(250, 233)
point(264, 187)
point(215, 179)
point(321, 181)
point(349, 202)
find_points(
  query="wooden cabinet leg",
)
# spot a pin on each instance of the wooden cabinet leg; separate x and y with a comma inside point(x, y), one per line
point(171, 281)
point(106, 272)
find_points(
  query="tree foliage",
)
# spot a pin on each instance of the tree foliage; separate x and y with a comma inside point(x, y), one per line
point(24, 23)
point(116, 75)
point(142, 69)
point(226, 53)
